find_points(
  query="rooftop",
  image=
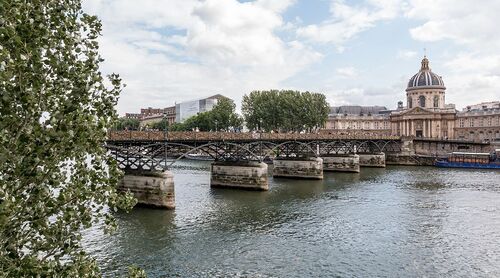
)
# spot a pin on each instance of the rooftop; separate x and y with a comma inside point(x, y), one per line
point(357, 110)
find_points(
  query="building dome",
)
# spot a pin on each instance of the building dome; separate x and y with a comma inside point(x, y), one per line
point(425, 79)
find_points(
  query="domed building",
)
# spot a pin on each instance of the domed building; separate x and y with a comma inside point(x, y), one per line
point(425, 114)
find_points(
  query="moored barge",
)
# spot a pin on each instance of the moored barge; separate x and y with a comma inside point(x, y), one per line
point(470, 160)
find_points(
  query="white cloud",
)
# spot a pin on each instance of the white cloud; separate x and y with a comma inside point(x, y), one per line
point(347, 72)
point(406, 54)
point(473, 78)
point(339, 92)
point(233, 33)
point(474, 72)
point(463, 21)
point(347, 21)
point(169, 51)
point(276, 5)
point(364, 96)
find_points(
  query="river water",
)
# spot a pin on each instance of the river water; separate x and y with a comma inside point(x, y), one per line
point(392, 222)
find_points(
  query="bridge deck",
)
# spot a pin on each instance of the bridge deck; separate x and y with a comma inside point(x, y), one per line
point(177, 136)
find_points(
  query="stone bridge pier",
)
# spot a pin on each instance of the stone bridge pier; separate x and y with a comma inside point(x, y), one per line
point(372, 160)
point(341, 163)
point(150, 188)
point(250, 175)
point(306, 168)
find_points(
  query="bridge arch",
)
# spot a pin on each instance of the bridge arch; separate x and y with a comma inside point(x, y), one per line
point(212, 144)
point(339, 146)
point(297, 143)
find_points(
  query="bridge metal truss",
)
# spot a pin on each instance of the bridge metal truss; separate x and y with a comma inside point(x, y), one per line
point(334, 147)
point(147, 155)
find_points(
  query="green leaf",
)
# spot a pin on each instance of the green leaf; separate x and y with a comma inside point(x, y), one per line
point(47, 186)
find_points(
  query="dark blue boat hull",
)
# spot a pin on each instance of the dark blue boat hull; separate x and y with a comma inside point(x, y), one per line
point(447, 164)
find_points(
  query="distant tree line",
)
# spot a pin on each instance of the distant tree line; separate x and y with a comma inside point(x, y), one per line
point(222, 117)
point(274, 110)
point(126, 124)
point(285, 111)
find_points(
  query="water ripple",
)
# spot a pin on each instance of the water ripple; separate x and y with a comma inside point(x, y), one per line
point(394, 222)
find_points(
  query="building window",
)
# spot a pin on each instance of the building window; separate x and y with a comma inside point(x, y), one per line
point(471, 122)
point(410, 102)
point(376, 125)
point(471, 135)
point(421, 101)
point(436, 101)
point(461, 122)
point(489, 121)
point(480, 122)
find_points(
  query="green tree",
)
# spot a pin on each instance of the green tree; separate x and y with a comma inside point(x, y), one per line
point(285, 111)
point(161, 125)
point(55, 176)
point(223, 116)
point(177, 127)
point(126, 124)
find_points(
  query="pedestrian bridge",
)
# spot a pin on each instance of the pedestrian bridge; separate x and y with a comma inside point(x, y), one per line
point(238, 158)
point(150, 150)
point(188, 136)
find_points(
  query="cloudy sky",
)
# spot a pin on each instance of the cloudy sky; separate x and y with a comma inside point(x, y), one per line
point(354, 51)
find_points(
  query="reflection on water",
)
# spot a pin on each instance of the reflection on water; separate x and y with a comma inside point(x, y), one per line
point(394, 222)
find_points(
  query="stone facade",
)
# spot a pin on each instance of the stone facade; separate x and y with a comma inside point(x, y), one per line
point(424, 122)
point(479, 123)
point(366, 118)
point(170, 113)
point(483, 106)
point(151, 115)
point(426, 114)
point(358, 122)
point(150, 111)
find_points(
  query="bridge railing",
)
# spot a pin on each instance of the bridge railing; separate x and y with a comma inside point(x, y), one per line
point(134, 135)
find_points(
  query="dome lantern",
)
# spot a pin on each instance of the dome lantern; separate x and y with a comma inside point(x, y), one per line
point(425, 64)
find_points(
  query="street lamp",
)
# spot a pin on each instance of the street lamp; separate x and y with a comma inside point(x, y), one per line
point(165, 137)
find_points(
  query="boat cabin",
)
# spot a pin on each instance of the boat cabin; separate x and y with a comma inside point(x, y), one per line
point(463, 157)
